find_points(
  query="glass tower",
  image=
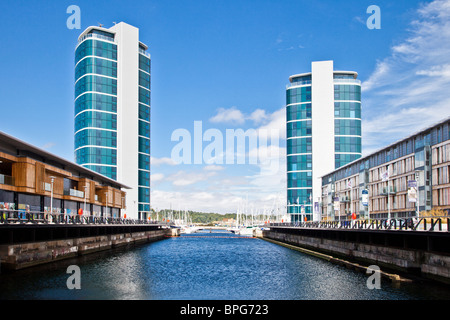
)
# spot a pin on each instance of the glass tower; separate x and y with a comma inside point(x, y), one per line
point(323, 114)
point(112, 110)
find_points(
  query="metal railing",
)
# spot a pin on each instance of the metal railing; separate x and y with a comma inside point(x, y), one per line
point(95, 35)
point(352, 81)
point(9, 217)
point(74, 193)
point(299, 83)
point(145, 53)
point(4, 179)
point(412, 224)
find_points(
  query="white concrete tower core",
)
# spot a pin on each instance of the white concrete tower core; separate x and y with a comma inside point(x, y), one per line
point(127, 39)
point(322, 99)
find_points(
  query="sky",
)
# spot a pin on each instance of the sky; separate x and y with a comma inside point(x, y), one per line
point(224, 65)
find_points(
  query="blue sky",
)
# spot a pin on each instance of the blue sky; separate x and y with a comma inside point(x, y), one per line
point(227, 63)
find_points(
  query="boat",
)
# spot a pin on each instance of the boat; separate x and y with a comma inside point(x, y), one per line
point(247, 230)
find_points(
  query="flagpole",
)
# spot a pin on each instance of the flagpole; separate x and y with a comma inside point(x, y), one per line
point(351, 202)
point(389, 195)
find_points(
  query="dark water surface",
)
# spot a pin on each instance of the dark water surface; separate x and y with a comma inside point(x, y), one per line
point(205, 266)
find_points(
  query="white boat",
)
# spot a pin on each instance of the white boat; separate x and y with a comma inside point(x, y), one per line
point(247, 231)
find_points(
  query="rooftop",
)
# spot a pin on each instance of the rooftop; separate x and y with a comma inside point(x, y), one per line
point(14, 143)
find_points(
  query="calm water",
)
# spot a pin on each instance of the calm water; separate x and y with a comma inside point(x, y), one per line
point(205, 266)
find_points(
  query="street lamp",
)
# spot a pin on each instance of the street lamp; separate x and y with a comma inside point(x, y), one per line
point(388, 194)
point(123, 204)
point(417, 172)
point(52, 179)
point(106, 203)
point(85, 192)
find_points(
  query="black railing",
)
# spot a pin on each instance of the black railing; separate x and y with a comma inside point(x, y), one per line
point(23, 217)
point(421, 224)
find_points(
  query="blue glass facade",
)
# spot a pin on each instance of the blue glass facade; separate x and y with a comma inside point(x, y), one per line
point(347, 123)
point(112, 110)
point(96, 105)
point(299, 146)
point(144, 132)
point(299, 114)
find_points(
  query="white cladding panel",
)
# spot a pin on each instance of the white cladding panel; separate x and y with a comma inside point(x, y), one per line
point(127, 38)
point(322, 96)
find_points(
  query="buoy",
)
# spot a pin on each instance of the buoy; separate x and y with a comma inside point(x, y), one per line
point(80, 212)
point(125, 215)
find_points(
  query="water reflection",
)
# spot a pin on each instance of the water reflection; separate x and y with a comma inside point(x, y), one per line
point(211, 266)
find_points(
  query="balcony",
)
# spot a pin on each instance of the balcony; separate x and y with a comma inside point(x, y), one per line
point(392, 190)
point(74, 193)
point(352, 81)
point(47, 186)
point(144, 53)
point(299, 83)
point(96, 36)
point(8, 180)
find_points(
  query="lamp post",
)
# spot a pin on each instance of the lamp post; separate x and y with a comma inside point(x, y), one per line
point(106, 203)
point(123, 202)
point(389, 195)
point(52, 179)
point(85, 191)
point(417, 195)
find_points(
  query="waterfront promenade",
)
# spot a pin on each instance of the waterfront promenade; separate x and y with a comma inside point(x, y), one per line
point(31, 238)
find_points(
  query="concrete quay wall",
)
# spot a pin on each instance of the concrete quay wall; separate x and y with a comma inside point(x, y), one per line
point(422, 263)
point(23, 255)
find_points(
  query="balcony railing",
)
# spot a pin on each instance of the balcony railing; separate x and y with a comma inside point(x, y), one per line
point(47, 186)
point(74, 193)
point(94, 35)
point(298, 83)
point(44, 218)
point(8, 180)
point(353, 81)
point(392, 190)
point(144, 53)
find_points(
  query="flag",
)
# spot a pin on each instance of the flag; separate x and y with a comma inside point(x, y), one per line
point(385, 175)
point(349, 183)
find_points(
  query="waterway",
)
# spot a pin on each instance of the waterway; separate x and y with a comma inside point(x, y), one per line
point(205, 266)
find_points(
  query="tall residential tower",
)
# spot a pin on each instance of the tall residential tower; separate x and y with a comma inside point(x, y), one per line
point(112, 110)
point(323, 133)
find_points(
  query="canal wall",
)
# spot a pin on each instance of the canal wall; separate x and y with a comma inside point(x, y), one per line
point(406, 260)
point(24, 255)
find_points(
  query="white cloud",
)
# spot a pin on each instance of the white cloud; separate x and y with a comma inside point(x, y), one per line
point(275, 126)
point(211, 188)
point(156, 177)
point(408, 90)
point(231, 115)
point(258, 116)
point(183, 178)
